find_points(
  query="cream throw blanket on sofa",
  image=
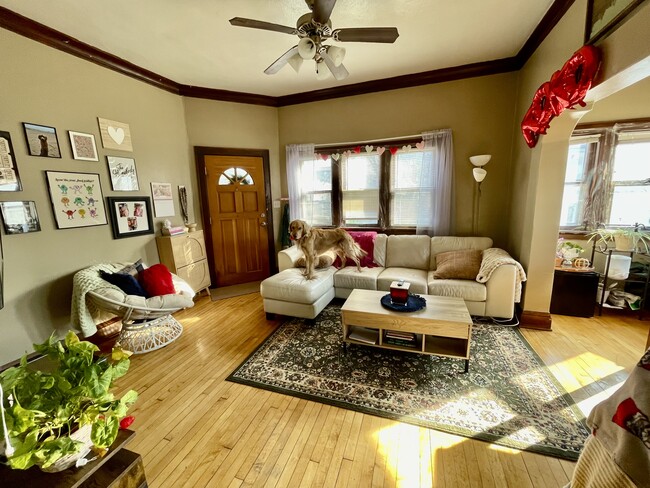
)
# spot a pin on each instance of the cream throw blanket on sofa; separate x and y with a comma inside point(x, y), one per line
point(492, 259)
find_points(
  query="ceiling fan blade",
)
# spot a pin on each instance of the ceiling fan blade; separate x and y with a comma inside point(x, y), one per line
point(366, 34)
point(258, 24)
point(322, 9)
point(279, 63)
point(339, 72)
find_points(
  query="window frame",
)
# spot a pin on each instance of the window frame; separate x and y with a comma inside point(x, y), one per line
point(384, 185)
point(603, 158)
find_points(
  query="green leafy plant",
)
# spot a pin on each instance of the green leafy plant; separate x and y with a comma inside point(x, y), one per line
point(42, 408)
point(639, 238)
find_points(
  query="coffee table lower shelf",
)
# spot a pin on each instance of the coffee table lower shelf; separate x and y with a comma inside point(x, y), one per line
point(451, 347)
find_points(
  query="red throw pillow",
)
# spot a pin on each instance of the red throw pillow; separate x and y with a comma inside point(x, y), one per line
point(366, 241)
point(157, 280)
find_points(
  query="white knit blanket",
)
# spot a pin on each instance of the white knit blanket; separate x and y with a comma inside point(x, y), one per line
point(85, 316)
point(495, 257)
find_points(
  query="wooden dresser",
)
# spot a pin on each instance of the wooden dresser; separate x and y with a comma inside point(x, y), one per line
point(185, 256)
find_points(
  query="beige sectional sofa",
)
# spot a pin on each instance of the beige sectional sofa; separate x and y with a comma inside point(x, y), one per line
point(408, 257)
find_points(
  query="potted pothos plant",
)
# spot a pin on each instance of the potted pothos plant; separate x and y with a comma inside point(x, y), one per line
point(54, 418)
point(624, 239)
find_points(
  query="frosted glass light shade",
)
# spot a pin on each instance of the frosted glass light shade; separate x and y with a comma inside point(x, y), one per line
point(337, 54)
point(480, 160)
point(479, 174)
point(306, 48)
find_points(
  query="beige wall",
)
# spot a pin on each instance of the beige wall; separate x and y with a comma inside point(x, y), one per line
point(224, 124)
point(538, 173)
point(45, 86)
point(478, 110)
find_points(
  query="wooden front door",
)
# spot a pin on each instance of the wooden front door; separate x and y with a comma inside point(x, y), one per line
point(238, 217)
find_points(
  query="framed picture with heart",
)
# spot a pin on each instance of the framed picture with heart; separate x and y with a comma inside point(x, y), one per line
point(115, 135)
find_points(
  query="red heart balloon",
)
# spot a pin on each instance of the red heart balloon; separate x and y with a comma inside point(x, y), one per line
point(324, 157)
point(393, 150)
point(357, 149)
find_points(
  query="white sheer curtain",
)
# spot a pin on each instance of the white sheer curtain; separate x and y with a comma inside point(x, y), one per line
point(296, 154)
point(434, 207)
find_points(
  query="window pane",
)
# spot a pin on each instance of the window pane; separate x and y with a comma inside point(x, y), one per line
point(576, 162)
point(317, 175)
point(632, 161)
point(575, 188)
point(360, 189)
point(407, 173)
point(630, 205)
point(317, 208)
point(572, 206)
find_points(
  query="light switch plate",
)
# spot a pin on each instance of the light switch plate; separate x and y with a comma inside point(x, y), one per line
point(276, 203)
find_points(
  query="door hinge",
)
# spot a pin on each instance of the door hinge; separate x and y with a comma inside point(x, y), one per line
point(210, 220)
point(205, 170)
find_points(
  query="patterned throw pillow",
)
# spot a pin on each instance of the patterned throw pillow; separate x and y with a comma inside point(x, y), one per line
point(459, 265)
point(133, 269)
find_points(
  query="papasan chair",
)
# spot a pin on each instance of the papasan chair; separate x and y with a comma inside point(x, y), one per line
point(147, 323)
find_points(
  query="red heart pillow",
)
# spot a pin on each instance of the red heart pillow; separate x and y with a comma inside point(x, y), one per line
point(157, 280)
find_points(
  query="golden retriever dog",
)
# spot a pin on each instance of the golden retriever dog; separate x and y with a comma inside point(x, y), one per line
point(313, 242)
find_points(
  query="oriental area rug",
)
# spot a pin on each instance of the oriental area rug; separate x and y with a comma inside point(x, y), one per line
point(509, 397)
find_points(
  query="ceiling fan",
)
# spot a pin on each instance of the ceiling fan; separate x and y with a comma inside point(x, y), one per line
point(313, 28)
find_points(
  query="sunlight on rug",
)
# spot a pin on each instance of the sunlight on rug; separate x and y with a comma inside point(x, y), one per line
point(509, 397)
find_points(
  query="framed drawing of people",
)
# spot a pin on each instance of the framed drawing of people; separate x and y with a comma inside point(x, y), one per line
point(77, 199)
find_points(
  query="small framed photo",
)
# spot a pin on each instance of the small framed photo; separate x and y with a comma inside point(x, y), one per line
point(130, 216)
point(123, 174)
point(42, 140)
point(83, 146)
point(19, 217)
point(605, 16)
point(9, 177)
point(163, 202)
point(77, 199)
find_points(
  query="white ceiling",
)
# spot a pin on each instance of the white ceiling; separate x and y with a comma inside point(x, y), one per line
point(192, 42)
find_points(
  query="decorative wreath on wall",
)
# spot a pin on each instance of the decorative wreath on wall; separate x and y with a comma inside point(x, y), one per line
point(566, 89)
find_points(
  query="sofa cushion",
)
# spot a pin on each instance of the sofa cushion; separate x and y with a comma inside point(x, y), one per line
point(408, 252)
point(460, 265)
point(350, 278)
point(417, 278)
point(466, 289)
point(291, 286)
point(380, 249)
point(448, 243)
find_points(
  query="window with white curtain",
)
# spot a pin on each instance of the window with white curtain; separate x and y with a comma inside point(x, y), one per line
point(317, 191)
point(360, 176)
point(607, 180)
point(406, 170)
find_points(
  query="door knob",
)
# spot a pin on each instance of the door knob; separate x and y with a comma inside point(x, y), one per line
point(263, 224)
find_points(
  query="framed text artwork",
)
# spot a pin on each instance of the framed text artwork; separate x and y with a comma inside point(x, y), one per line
point(123, 174)
point(77, 199)
point(130, 216)
point(42, 140)
point(9, 178)
point(163, 202)
point(605, 16)
point(83, 146)
point(115, 135)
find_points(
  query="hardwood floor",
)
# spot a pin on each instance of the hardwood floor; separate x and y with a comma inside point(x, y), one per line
point(195, 429)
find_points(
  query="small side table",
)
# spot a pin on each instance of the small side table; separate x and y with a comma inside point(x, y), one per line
point(574, 293)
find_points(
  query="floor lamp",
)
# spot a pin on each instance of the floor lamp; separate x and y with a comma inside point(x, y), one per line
point(479, 175)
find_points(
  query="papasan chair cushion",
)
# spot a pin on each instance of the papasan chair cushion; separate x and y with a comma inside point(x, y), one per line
point(96, 300)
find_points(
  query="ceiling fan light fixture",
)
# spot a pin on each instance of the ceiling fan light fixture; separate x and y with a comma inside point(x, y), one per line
point(306, 48)
point(337, 54)
point(321, 71)
point(296, 62)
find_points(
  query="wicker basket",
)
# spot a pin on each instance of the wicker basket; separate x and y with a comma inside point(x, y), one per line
point(82, 435)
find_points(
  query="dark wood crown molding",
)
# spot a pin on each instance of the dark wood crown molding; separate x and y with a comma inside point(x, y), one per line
point(34, 30)
point(553, 15)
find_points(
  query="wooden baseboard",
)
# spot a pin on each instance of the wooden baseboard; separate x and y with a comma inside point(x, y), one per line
point(535, 320)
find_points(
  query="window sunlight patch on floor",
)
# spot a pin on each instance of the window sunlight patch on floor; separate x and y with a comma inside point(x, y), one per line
point(587, 405)
point(582, 370)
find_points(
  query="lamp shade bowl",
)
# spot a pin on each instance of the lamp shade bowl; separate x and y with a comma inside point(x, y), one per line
point(480, 160)
point(479, 174)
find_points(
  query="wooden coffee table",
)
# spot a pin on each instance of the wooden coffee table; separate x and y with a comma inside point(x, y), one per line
point(442, 328)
